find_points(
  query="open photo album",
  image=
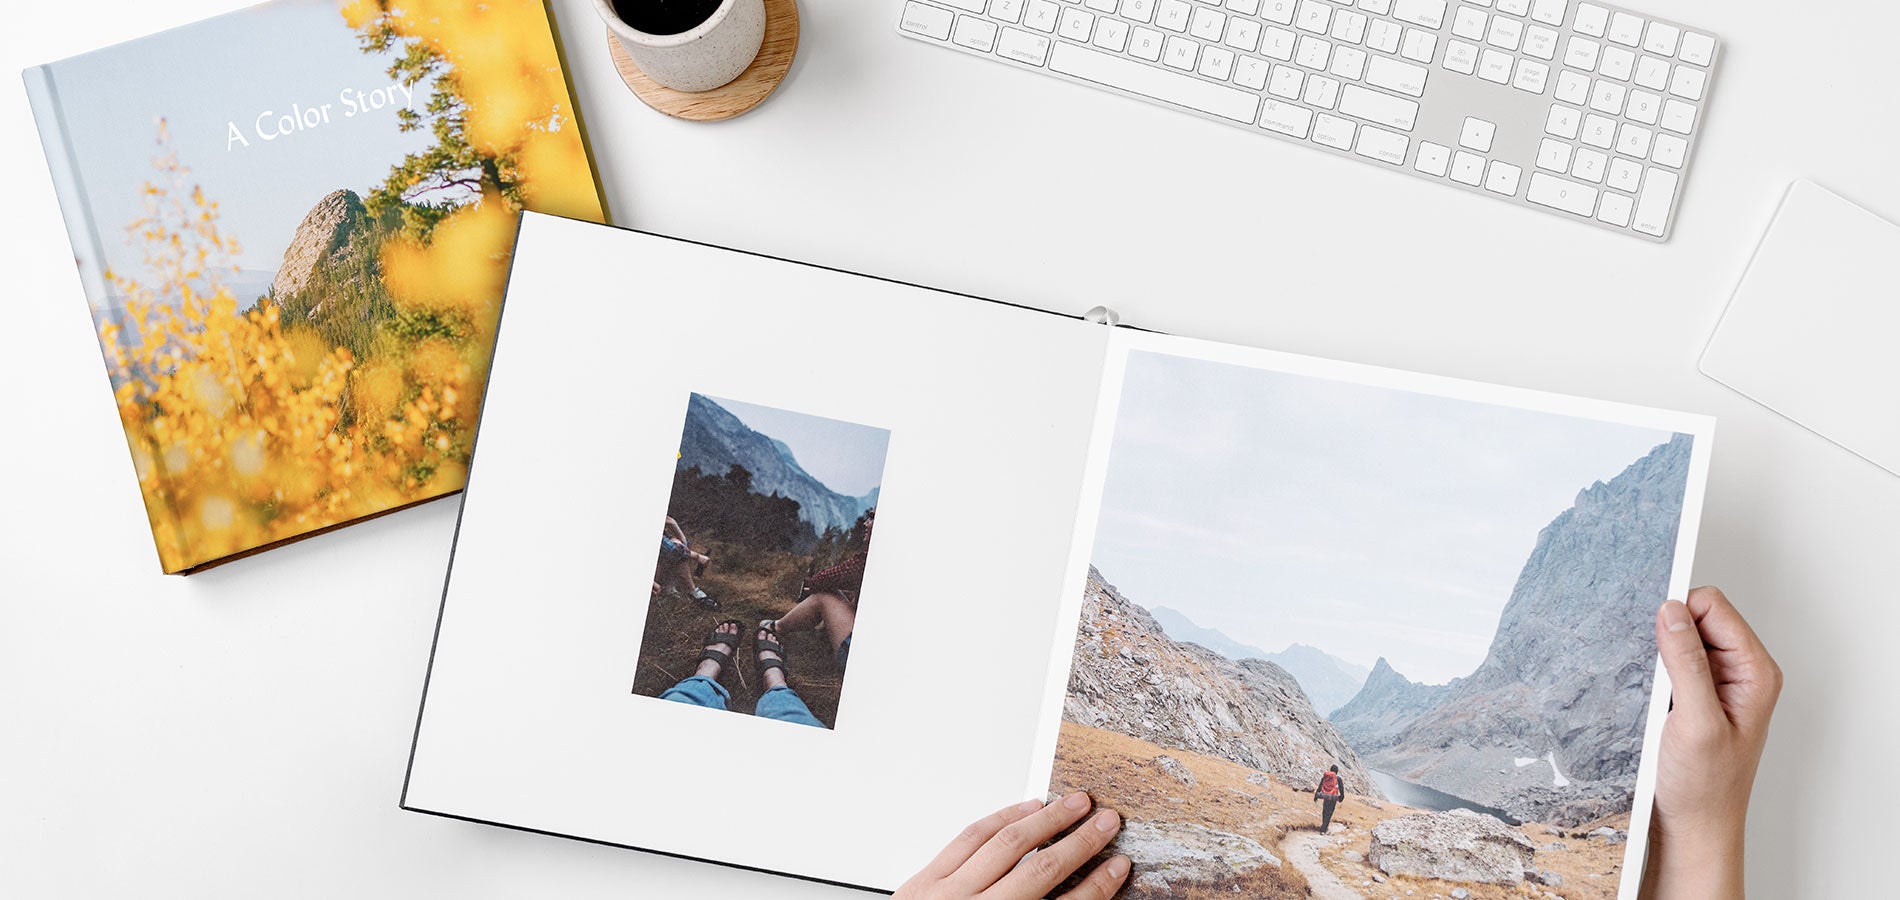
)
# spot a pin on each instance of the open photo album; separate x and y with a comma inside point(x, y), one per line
point(799, 570)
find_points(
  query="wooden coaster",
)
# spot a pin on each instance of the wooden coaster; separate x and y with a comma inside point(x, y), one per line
point(748, 90)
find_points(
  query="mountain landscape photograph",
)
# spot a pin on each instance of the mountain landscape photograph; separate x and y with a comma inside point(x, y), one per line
point(767, 504)
point(1450, 602)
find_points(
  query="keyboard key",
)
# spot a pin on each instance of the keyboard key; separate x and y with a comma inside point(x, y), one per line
point(1514, 7)
point(1553, 155)
point(1011, 11)
point(1285, 118)
point(1384, 36)
point(1245, 7)
point(1477, 134)
point(1169, 14)
point(1333, 131)
point(1502, 178)
point(1076, 24)
point(1349, 63)
point(1467, 168)
point(1573, 88)
point(1687, 83)
point(1111, 34)
point(1549, 12)
point(1462, 57)
point(1243, 34)
point(1591, 19)
point(1581, 53)
point(1643, 106)
point(1102, 6)
point(1207, 24)
point(1531, 76)
point(1607, 97)
point(1678, 116)
point(1146, 45)
point(1563, 121)
point(1322, 92)
point(1376, 7)
point(1216, 63)
point(1598, 131)
point(1661, 39)
point(1505, 33)
point(1148, 81)
point(1557, 193)
point(1313, 53)
point(1495, 65)
point(1652, 205)
point(1626, 29)
point(1633, 140)
point(1382, 145)
point(1022, 46)
point(975, 33)
point(1589, 165)
point(1652, 73)
point(1540, 42)
point(1469, 23)
point(1617, 63)
point(1433, 159)
point(1669, 150)
point(1278, 43)
point(1615, 210)
point(1280, 11)
point(1286, 81)
point(1314, 16)
point(1380, 109)
point(1349, 26)
point(1419, 45)
point(1426, 13)
point(1397, 76)
point(1041, 15)
point(1180, 53)
point(1625, 175)
point(1251, 73)
point(929, 21)
point(1697, 48)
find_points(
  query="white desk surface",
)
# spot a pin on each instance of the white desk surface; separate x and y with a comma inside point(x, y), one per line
point(243, 733)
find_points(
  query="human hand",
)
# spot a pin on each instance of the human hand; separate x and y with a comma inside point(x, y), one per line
point(982, 861)
point(1725, 685)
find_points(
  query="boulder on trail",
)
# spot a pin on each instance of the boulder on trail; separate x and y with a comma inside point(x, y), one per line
point(1459, 845)
point(1179, 853)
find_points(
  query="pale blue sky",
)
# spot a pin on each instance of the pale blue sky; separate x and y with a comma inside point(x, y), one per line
point(845, 456)
point(229, 70)
point(1363, 521)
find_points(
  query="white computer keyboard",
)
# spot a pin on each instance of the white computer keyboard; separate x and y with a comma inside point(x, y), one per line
point(1581, 109)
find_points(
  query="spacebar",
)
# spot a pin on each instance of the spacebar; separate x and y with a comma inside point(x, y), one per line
point(1148, 81)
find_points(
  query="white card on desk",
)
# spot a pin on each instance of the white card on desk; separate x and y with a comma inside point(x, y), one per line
point(1810, 331)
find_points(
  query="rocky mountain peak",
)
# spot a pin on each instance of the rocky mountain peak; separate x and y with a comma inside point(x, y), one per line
point(1550, 726)
point(324, 232)
point(1128, 676)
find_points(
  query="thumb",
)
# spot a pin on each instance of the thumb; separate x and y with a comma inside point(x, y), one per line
point(1686, 660)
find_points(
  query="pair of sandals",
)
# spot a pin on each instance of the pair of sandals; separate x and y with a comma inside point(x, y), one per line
point(769, 643)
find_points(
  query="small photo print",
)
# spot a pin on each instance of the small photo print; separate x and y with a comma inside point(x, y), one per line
point(762, 554)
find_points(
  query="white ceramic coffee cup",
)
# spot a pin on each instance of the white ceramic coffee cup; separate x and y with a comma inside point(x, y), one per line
point(704, 57)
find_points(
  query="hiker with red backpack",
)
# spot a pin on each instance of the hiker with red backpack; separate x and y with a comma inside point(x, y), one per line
point(1332, 789)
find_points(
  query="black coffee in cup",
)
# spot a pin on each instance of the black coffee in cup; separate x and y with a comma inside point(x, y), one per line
point(662, 17)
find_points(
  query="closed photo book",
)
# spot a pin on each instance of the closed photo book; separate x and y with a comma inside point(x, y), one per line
point(788, 568)
point(292, 224)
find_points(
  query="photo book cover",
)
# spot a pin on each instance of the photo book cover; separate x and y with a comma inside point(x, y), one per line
point(293, 224)
point(1349, 641)
point(761, 561)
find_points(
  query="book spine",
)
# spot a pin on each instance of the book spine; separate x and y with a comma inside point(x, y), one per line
point(89, 257)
